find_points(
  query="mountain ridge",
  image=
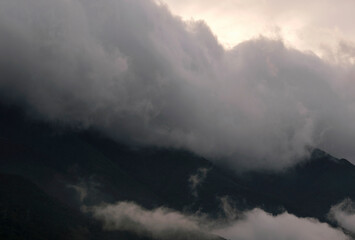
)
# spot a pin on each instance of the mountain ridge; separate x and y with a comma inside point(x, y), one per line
point(63, 161)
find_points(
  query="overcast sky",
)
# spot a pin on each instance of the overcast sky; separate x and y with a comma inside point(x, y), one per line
point(144, 76)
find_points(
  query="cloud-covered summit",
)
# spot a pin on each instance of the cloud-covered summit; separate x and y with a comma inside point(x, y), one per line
point(141, 75)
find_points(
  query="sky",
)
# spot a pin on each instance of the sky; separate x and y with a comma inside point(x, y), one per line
point(142, 75)
point(318, 26)
point(252, 84)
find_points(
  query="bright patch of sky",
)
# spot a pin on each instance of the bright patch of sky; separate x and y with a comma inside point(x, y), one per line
point(324, 27)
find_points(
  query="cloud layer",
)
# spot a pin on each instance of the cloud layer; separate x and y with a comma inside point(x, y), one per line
point(162, 223)
point(132, 70)
point(259, 225)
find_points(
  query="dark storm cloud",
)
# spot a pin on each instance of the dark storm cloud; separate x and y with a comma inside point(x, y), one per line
point(143, 76)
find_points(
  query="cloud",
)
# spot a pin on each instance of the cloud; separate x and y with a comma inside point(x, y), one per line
point(163, 223)
point(160, 223)
point(317, 26)
point(81, 190)
point(343, 214)
point(259, 225)
point(86, 189)
point(228, 207)
point(197, 179)
point(143, 76)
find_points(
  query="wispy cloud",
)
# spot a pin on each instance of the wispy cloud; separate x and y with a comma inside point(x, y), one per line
point(160, 223)
point(86, 188)
point(197, 179)
point(343, 214)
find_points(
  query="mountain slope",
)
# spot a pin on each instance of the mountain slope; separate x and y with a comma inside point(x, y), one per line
point(26, 212)
point(311, 187)
point(72, 167)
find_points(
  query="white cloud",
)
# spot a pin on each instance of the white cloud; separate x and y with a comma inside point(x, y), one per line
point(163, 223)
point(259, 225)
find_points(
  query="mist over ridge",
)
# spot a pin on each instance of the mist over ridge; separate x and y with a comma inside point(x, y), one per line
point(143, 76)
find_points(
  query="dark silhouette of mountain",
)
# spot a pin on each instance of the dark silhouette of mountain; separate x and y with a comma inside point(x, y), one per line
point(42, 166)
point(311, 187)
point(27, 212)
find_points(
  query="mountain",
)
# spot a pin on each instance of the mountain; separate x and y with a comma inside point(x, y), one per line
point(49, 171)
point(27, 212)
